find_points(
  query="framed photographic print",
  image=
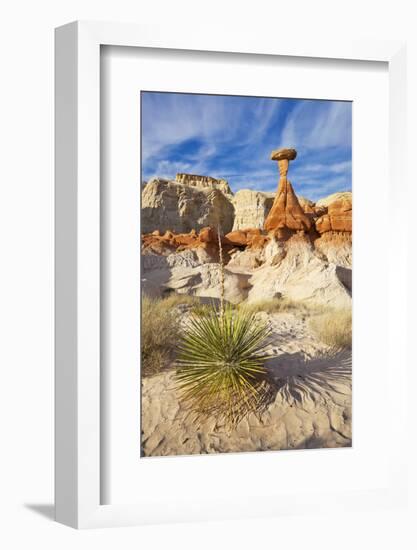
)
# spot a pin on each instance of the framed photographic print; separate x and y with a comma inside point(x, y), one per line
point(225, 331)
point(246, 287)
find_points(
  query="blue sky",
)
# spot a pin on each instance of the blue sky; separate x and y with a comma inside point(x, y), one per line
point(231, 137)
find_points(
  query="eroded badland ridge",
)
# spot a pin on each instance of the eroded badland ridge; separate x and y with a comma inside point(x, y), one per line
point(275, 244)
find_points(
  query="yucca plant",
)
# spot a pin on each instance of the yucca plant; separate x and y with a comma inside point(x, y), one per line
point(220, 363)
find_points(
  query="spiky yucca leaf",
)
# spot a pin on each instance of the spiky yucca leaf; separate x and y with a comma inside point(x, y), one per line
point(220, 363)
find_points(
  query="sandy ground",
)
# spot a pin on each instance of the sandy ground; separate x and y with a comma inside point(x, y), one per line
point(310, 406)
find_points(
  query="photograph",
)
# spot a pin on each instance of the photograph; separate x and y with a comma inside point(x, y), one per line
point(246, 273)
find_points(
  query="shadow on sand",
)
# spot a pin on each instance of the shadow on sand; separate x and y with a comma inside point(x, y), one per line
point(298, 378)
point(294, 378)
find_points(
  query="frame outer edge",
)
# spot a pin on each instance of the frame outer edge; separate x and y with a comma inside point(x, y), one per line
point(77, 259)
point(66, 345)
point(88, 275)
point(400, 253)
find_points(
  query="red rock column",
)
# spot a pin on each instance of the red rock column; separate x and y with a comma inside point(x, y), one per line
point(286, 212)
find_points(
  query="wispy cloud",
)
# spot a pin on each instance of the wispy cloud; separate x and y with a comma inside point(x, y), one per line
point(318, 124)
point(165, 168)
point(232, 137)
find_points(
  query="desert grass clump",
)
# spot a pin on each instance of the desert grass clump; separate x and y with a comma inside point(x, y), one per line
point(220, 364)
point(174, 300)
point(160, 331)
point(280, 305)
point(334, 327)
point(201, 310)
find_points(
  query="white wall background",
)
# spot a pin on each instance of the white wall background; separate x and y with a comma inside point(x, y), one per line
point(26, 272)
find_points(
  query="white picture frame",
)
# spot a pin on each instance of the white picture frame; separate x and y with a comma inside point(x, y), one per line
point(77, 242)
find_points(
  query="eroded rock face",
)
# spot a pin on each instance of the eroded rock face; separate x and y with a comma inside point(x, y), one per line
point(326, 201)
point(204, 182)
point(169, 242)
point(286, 212)
point(295, 270)
point(307, 205)
point(172, 206)
point(206, 243)
point(284, 154)
point(338, 217)
point(251, 208)
point(246, 237)
point(247, 259)
point(299, 268)
point(191, 272)
point(273, 245)
point(336, 247)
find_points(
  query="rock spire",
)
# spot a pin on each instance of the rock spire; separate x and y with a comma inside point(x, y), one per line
point(286, 212)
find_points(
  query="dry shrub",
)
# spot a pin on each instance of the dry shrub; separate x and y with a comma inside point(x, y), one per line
point(203, 310)
point(160, 332)
point(174, 300)
point(331, 325)
point(334, 327)
point(280, 305)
